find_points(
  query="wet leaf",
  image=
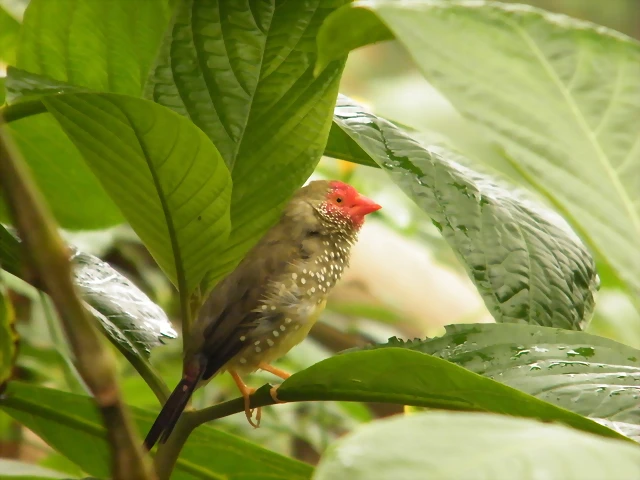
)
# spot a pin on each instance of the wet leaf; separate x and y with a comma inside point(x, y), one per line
point(587, 374)
point(126, 313)
point(524, 259)
point(399, 375)
point(560, 95)
point(454, 445)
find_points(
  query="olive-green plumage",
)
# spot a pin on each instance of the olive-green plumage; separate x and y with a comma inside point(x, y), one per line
point(269, 303)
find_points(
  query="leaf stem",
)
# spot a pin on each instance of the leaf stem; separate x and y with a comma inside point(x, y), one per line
point(18, 111)
point(48, 260)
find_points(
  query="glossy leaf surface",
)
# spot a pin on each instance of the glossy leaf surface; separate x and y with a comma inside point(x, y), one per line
point(412, 378)
point(525, 260)
point(561, 96)
point(590, 375)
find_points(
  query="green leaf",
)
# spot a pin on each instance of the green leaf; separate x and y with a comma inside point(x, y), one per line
point(245, 77)
point(9, 33)
point(10, 256)
point(74, 195)
point(165, 175)
point(587, 374)
point(8, 338)
point(72, 426)
point(104, 46)
point(525, 260)
point(561, 97)
point(127, 314)
point(14, 470)
point(448, 445)
point(398, 375)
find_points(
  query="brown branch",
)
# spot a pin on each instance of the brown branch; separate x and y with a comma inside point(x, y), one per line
point(48, 260)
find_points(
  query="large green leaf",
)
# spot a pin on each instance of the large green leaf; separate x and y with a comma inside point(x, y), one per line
point(72, 426)
point(9, 32)
point(587, 374)
point(163, 172)
point(398, 375)
point(243, 72)
point(8, 337)
point(525, 260)
point(103, 46)
point(560, 95)
point(454, 446)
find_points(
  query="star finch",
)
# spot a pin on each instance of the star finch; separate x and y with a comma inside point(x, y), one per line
point(268, 304)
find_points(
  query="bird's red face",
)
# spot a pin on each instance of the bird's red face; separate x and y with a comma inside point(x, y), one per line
point(343, 200)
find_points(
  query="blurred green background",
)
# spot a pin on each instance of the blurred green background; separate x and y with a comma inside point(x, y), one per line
point(403, 280)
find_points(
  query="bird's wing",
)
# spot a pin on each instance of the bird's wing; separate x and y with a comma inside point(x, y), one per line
point(233, 308)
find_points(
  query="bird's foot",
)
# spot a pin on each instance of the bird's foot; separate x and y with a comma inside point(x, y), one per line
point(246, 395)
point(248, 411)
point(274, 394)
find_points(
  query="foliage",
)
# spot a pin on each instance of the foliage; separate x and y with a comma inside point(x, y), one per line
point(195, 121)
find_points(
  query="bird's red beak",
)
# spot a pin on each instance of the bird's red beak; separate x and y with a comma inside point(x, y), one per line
point(363, 206)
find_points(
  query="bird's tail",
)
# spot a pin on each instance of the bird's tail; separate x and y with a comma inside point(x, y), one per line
point(168, 417)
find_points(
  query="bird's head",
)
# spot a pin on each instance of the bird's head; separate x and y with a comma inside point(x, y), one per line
point(339, 204)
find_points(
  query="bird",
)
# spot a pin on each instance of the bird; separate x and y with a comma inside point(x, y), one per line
point(270, 301)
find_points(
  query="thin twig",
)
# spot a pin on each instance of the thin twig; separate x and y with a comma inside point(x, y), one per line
point(48, 260)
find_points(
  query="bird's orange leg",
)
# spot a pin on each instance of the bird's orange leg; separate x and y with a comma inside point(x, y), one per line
point(278, 373)
point(246, 394)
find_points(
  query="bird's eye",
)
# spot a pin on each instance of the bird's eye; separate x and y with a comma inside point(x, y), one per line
point(339, 200)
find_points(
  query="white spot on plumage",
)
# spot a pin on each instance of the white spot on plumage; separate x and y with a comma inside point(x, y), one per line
point(273, 307)
point(276, 333)
point(282, 327)
point(287, 320)
point(258, 349)
point(264, 307)
point(243, 338)
point(297, 326)
point(243, 360)
point(269, 342)
point(257, 342)
point(303, 281)
point(294, 276)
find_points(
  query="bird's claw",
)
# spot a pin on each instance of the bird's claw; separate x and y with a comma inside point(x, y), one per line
point(248, 411)
point(274, 394)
